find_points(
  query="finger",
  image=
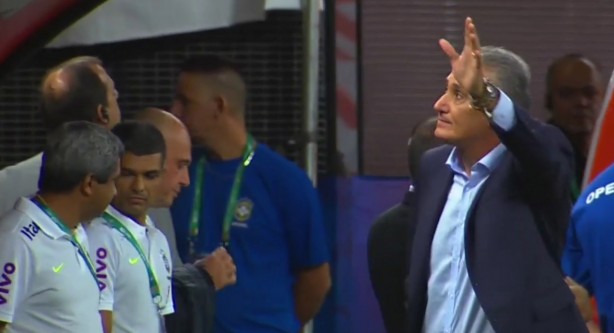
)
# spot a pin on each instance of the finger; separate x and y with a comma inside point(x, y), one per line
point(474, 39)
point(569, 281)
point(448, 49)
point(468, 25)
point(477, 55)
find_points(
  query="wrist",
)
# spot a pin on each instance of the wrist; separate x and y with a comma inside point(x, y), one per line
point(487, 99)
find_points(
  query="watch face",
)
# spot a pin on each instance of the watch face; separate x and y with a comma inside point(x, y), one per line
point(492, 91)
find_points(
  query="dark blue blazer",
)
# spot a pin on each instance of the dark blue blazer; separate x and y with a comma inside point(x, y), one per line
point(513, 269)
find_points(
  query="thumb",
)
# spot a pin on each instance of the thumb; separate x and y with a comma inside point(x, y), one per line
point(448, 49)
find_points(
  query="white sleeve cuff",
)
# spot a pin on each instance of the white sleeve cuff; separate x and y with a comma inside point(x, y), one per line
point(105, 306)
point(503, 115)
point(168, 309)
point(6, 317)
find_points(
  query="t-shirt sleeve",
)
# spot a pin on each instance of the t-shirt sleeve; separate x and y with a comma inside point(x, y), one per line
point(105, 253)
point(304, 223)
point(169, 307)
point(16, 270)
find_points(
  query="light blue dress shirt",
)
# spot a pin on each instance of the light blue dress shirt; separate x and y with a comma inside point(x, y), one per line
point(452, 305)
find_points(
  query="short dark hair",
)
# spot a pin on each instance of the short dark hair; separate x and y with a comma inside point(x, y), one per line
point(140, 138)
point(422, 139)
point(75, 150)
point(209, 64)
point(552, 68)
point(86, 92)
point(226, 76)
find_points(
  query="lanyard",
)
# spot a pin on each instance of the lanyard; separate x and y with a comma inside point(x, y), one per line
point(38, 201)
point(248, 154)
point(154, 287)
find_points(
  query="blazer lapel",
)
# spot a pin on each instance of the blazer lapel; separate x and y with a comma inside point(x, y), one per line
point(432, 194)
point(432, 197)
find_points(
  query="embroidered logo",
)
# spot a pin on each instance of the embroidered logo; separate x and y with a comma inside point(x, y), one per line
point(5, 281)
point(101, 266)
point(133, 261)
point(58, 268)
point(243, 212)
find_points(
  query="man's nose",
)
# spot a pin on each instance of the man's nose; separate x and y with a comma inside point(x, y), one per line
point(138, 185)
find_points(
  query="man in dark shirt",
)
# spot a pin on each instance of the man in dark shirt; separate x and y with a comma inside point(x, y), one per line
point(391, 236)
point(574, 94)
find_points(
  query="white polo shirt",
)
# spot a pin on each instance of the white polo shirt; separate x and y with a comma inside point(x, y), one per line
point(45, 284)
point(123, 275)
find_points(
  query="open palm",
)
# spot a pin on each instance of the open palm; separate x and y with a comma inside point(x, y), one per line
point(466, 67)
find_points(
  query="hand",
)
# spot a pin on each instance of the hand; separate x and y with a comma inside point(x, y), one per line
point(220, 267)
point(467, 67)
point(582, 298)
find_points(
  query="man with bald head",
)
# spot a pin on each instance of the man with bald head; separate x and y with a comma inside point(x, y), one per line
point(251, 200)
point(176, 175)
point(574, 94)
point(218, 266)
point(77, 89)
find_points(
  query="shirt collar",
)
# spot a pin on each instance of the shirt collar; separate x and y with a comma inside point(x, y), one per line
point(131, 225)
point(42, 220)
point(490, 161)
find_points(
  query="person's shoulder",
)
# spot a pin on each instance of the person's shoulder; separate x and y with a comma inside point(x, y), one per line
point(100, 232)
point(600, 191)
point(276, 165)
point(25, 167)
point(437, 155)
point(397, 214)
point(18, 229)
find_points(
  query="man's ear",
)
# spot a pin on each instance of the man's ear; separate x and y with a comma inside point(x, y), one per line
point(102, 115)
point(221, 105)
point(87, 185)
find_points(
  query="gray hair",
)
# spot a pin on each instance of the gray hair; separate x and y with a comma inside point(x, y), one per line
point(509, 72)
point(74, 151)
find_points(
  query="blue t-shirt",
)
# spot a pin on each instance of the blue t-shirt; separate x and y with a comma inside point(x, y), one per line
point(589, 253)
point(277, 231)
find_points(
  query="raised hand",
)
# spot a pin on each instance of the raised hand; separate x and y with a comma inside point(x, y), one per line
point(220, 267)
point(466, 67)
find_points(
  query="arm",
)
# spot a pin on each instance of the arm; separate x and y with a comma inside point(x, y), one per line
point(107, 321)
point(310, 291)
point(16, 274)
point(574, 262)
point(543, 154)
point(304, 229)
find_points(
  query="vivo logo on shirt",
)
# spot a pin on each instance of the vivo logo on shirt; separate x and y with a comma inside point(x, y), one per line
point(101, 266)
point(5, 281)
point(30, 231)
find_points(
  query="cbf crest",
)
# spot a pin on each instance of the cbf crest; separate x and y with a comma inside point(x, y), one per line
point(243, 212)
